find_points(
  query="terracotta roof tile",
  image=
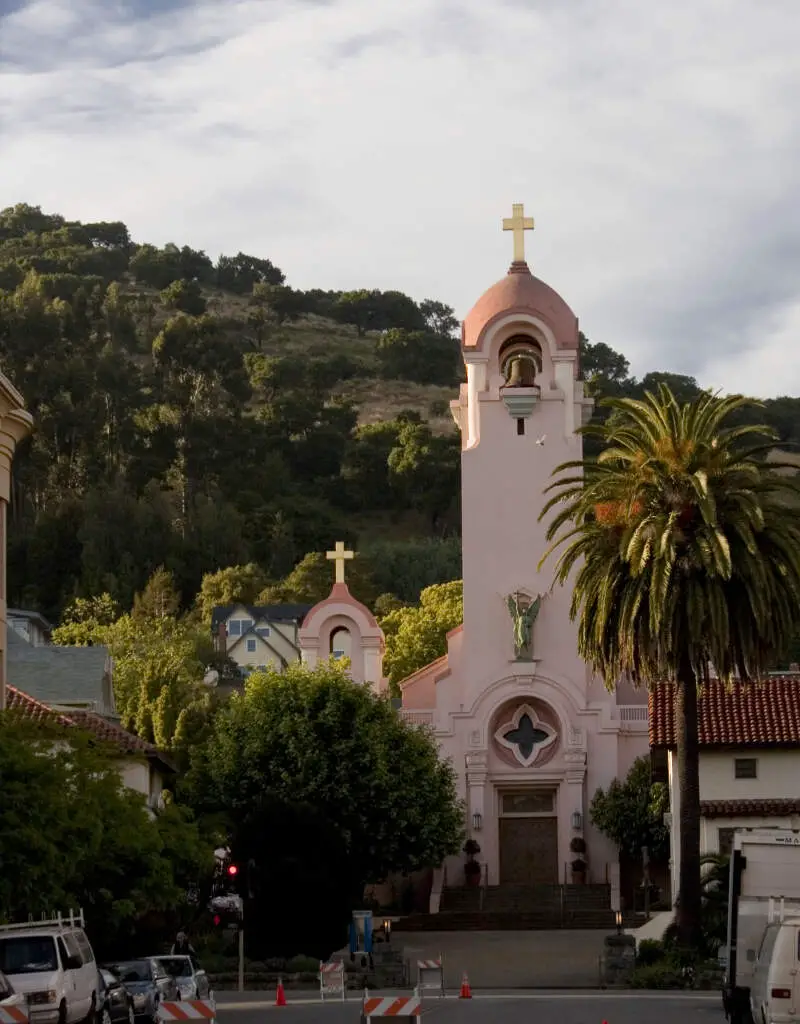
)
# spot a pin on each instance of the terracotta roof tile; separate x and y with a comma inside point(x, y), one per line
point(764, 714)
point(109, 732)
point(749, 808)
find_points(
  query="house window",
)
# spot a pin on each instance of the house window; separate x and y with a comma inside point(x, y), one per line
point(263, 630)
point(261, 668)
point(238, 627)
point(745, 768)
point(725, 841)
point(251, 645)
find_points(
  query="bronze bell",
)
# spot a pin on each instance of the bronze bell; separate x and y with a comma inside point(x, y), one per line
point(521, 373)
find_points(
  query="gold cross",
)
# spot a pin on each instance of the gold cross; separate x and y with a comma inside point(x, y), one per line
point(340, 556)
point(519, 224)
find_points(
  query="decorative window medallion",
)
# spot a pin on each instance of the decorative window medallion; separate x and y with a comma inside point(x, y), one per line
point(526, 735)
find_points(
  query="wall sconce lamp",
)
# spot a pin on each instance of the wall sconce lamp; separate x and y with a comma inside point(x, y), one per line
point(577, 820)
point(387, 928)
point(618, 918)
point(477, 821)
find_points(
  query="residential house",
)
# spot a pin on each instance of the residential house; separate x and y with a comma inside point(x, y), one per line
point(31, 626)
point(749, 759)
point(143, 767)
point(258, 637)
point(61, 677)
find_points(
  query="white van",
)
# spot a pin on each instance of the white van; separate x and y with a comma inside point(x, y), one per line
point(52, 963)
point(775, 985)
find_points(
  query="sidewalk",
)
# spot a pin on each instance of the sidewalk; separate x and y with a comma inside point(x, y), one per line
point(510, 960)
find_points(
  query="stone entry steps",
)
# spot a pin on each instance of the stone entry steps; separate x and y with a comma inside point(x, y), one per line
point(518, 908)
point(585, 920)
point(527, 899)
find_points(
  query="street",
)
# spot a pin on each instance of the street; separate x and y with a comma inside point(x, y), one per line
point(515, 1007)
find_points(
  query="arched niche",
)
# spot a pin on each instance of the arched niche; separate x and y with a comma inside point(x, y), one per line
point(341, 643)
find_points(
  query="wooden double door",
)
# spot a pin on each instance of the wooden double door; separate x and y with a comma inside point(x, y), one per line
point(529, 851)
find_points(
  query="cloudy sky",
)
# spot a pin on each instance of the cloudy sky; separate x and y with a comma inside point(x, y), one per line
point(378, 143)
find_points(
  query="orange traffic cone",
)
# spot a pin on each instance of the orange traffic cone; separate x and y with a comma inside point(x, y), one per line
point(465, 993)
point(280, 998)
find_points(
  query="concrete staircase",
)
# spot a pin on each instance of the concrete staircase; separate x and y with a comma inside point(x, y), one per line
point(517, 908)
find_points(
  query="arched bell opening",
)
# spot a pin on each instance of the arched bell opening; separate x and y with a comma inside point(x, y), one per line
point(520, 361)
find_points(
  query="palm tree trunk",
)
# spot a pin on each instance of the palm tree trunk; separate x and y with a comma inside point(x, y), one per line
point(688, 907)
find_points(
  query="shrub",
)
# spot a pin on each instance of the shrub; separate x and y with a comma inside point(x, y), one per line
point(657, 976)
point(649, 952)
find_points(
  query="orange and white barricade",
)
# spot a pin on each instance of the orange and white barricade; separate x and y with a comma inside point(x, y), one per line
point(187, 1009)
point(13, 1015)
point(430, 976)
point(398, 1007)
point(331, 980)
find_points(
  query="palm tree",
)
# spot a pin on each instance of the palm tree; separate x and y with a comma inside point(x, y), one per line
point(686, 550)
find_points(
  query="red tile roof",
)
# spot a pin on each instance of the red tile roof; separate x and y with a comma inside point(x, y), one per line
point(749, 808)
point(109, 732)
point(765, 714)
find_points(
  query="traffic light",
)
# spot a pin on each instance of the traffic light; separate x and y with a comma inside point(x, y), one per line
point(217, 920)
point(233, 870)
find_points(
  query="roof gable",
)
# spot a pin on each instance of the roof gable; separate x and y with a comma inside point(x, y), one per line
point(260, 612)
point(763, 714)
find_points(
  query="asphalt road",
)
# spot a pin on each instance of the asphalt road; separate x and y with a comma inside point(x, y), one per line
point(515, 1008)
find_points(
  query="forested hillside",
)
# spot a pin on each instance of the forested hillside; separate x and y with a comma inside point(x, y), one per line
point(197, 414)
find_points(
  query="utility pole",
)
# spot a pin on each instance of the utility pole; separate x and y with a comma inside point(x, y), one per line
point(241, 944)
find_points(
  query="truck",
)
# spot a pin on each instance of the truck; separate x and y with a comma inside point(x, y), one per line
point(764, 882)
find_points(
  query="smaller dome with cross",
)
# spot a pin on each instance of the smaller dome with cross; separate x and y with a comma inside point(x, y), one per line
point(520, 292)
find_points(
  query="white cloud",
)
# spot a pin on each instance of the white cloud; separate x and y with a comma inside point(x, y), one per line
point(364, 144)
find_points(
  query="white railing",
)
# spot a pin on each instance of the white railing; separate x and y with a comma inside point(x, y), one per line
point(417, 717)
point(635, 717)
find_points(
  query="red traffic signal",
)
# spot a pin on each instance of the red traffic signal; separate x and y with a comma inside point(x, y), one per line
point(233, 870)
point(217, 920)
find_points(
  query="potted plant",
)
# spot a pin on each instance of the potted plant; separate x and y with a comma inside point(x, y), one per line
point(578, 845)
point(472, 868)
point(578, 871)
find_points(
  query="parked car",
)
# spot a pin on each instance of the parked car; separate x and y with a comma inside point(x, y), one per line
point(114, 1001)
point(191, 979)
point(51, 963)
point(11, 1000)
point(775, 985)
point(148, 983)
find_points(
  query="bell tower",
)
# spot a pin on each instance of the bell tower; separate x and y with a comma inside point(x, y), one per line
point(518, 414)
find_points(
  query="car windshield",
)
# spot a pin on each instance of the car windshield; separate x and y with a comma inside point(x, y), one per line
point(133, 970)
point(109, 978)
point(28, 954)
point(176, 966)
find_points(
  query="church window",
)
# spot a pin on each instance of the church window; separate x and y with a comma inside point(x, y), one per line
point(251, 645)
point(526, 736)
point(529, 801)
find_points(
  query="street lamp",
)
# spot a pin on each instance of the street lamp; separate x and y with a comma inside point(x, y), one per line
point(618, 919)
point(387, 928)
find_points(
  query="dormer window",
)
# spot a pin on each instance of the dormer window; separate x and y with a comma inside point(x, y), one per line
point(238, 627)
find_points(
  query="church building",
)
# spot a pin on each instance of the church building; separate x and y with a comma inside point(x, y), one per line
point(531, 732)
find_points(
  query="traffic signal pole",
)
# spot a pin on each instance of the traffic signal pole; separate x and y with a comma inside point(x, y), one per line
point(241, 944)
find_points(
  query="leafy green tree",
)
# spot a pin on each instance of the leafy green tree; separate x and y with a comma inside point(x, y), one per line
point(315, 740)
point(237, 583)
point(378, 311)
point(631, 813)
point(424, 470)
point(439, 318)
point(185, 297)
point(241, 273)
point(159, 599)
point(419, 356)
point(312, 578)
point(417, 635)
point(683, 548)
point(64, 802)
point(84, 619)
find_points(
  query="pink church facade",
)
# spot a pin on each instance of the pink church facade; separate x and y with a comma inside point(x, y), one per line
point(531, 734)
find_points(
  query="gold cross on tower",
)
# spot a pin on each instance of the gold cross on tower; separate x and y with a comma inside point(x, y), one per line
point(340, 556)
point(519, 224)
